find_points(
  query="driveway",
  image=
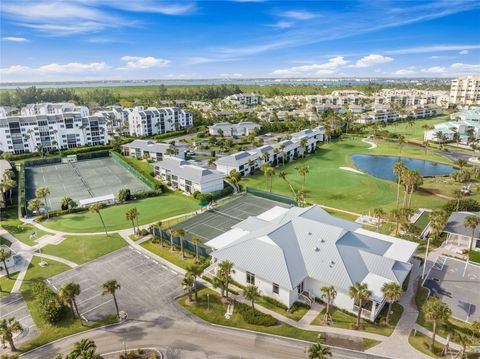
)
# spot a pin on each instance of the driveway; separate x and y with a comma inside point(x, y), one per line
point(13, 305)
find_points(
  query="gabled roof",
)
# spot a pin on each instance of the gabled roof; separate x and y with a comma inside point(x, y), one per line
point(308, 242)
point(455, 224)
point(151, 146)
point(189, 170)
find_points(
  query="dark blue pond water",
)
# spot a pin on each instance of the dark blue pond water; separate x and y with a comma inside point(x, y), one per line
point(382, 166)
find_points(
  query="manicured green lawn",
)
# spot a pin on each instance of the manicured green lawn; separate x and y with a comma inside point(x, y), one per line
point(5, 242)
point(414, 132)
point(216, 315)
point(165, 253)
point(296, 315)
point(422, 221)
point(345, 320)
point(329, 185)
point(48, 332)
point(6, 285)
point(81, 249)
point(474, 256)
point(22, 231)
point(151, 210)
point(423, 343)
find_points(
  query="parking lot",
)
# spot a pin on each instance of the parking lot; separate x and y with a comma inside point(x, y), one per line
point(147, 286)
point(458, 285)
point(13, 305)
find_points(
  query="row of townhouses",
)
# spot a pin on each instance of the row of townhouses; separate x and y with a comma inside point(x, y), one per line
point(247, 162)
point(465, 125)
point(409, 97)
point(20, 134)
point(382, 114)
point(152, 121)
point(151, 150)
point(117, 119)
point(233, 129)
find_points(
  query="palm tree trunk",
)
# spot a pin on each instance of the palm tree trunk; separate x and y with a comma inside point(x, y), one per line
point(6, 269)
point(133, 226)
point(12, 344)
point(70, 304)
point(410, 198)
point(359, 314)
point(76, 309)
point(116, 305)
point(405, 197)
point(388, 313)
point(434, 334)
point(103, 223)
point(398, 190)
point(181, 248)
point(253, 307)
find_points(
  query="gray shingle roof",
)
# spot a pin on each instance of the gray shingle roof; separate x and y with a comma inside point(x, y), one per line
point(150, 146)
point(455, 224)
point(189, 170)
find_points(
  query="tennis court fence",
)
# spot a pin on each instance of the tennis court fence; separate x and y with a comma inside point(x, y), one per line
point(272, 196)
point(189, 246)
point(132, 170)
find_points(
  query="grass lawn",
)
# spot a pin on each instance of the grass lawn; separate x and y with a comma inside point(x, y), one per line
point(329, 185)
point(345, 320)
point(48, 332)
point(296, 315)
point(6, 285)
point(474, 256)
point(151, 210)
point(415, 132)
point(216, 315)
point(172, 257)
point(22, 231)
point(422, 221)
point(81, 249)
point(5, 242)
point(422, 343)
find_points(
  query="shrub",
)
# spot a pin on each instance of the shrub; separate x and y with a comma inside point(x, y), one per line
point(60, 213)
point(275, 303)
point(468, 205)
point(147, 194)
point(196, 194)
point(259, 318)
point(144, 232)
point(170, 134)
point(51, 309)
point(209, 197)
point(75, 151)
point(298, 305)
point(124, 195)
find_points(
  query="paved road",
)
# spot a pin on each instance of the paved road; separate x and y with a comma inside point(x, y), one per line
point(188, 339)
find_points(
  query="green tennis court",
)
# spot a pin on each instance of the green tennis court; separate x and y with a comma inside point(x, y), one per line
point(80, 180)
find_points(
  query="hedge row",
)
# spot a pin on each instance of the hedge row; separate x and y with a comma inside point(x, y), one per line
point(60, 212)
point(213, 196)
point(76, 151)
point(170, 134)
point(51, 309)
point(258, 318)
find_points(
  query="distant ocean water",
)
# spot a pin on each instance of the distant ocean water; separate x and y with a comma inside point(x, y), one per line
point(260, 82)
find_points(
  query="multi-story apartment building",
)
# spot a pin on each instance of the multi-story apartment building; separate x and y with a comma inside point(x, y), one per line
point(408, 97)
point(47, 108)
point(152, 121)
point(338, 98)
point(378, 115)
point(233, 129)
point(245, 99)
point(117, 119)
point(465, 90)
point(3, 112)
point(150, 149)
point(20, 134)
point(425, 111)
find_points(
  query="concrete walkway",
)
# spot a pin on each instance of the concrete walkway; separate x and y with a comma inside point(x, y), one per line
point(57, 259)
point(373, 145)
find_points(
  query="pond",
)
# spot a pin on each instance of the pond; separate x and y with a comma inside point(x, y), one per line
point(382, 166)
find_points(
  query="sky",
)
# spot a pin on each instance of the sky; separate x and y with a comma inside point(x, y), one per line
point(75, 40)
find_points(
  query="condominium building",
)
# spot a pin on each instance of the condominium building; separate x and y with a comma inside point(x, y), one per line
point(411, 97)
point(245, 99)
point(188, 176)
point(48, 108)
point(378, 115)
point(152, 121)
point(465, 90)
point(462, 131)
point(20, 134)
point(150, 149)
point(233, 129)
point(117, 119)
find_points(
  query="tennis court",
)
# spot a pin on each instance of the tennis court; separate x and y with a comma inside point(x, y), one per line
point(80, 180)
point(215, 222)
point(457, 284)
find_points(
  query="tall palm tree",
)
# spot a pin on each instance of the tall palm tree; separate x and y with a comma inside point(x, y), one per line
point(283, 175)
point(379, 213)
point(395, 216)
point(303, 144)
point(197, 241)
point(110, 287)
point(269, 172)
point(131, 215)
point(303, 170)
point(392, 293)
point(234, 177)
point(436, 311)
point(84, 349)
point(5, 254)
point(458, 195)
point(43, 192)
point(187, 285)
point(282, 148)
point(328, 294)
point(180, 232)
point(67, 294)
point(251, 293)
point(224, 274)
point(471, 222)
point(318, 351)
point(96, 208)
point(359, 292)
point(8, 328)
point(195, 271)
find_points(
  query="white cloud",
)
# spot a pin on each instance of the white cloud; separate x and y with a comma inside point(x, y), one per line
point(465, 68)
point(435, 70)
point(372, 59)
point(403, 72)
point(315, 69)
point(299, 15)
point(283, 24)
point(234, 75)
point(14, 39)
point(464, 52)
point(74, 67)
point(15, 69)
point(138, 62)
point(431, 48)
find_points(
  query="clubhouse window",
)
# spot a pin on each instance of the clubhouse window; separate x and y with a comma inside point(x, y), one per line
point(275, 288)
point(250, 278)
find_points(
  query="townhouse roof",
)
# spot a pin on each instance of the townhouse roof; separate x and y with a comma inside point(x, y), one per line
point(235, 159)
point(151, 146)
point(455, 224)
point(308, 242)
point(189, 170)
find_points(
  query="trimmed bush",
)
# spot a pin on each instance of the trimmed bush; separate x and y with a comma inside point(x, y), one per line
point(467, 205)
point(259, 318)
point(170, 134)
point(124, 195)
point(275, 303)
point(298, 305)
point(212, 196)
point(147, 194)
point(76, 151)
point(60, 213)
point(51, 309)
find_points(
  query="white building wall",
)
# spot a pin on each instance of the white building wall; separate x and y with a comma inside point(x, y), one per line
point(211, 186)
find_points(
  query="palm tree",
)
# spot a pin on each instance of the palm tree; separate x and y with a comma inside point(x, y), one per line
point(67, 294)
point(328, 294)
point(471, 222)
point(379, 213)
point(34, 205)
point(43, 192)
point(196, 240)
point(84, 349)
point(282, 148)
point(181, 234)
point(392, 293)
point(187, 284)
point(461, 162)
point(234, 177)
point(303, 144)
point(283, 175)
point(224, 274)
point(171, 232)
point(159, 226)
point(318, 351)
point(195, 271)
point(398, 169)
point(436, 311)
point(131, 215)
point(5, 254)
point(395, 215)
point(359, 293)
point(269, 172)
point(8, 328)
point(110, 287)
point(303, 171)
point(96, 208)
point(458, 195)
point(251, 293)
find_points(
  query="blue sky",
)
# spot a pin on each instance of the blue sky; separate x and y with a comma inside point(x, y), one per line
point(148, 39)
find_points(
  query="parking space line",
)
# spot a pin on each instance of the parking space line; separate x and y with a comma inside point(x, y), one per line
point(13, 311)
point(97, 306)
point(13, 301)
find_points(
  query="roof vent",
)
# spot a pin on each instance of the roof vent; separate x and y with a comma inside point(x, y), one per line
point(316, 249)
point(322, 240)
point(309, 233)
